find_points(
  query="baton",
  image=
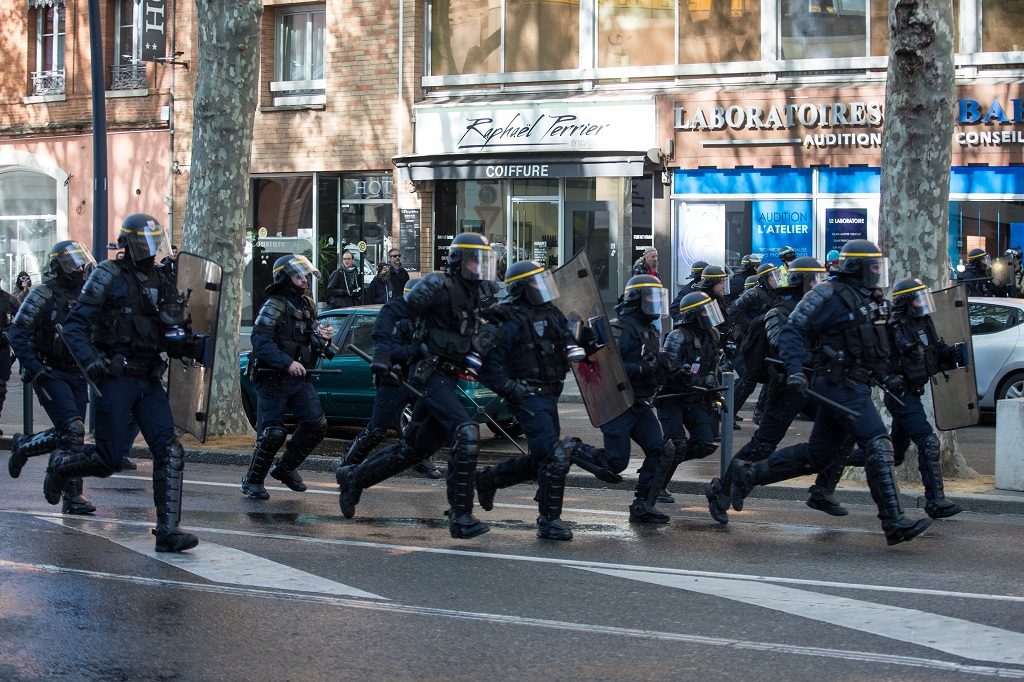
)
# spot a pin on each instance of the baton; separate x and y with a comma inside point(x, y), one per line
point(887, 391)
point(819, 397)
point(405, 384)
point(482, 410)
point(78, 363)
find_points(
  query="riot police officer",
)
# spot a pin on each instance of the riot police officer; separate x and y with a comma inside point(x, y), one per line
point(748, 268)
point(918, 354)
point(782, 403)
point(840, 327)
point(643, 301)
point(977, 276)
point(696, 272)
point(446, 307)
point(393, 351)
point(286, 341)
point(128, 313)
point(684, 408)
point(787, 254)
point(524, 349)
point(750, 305)
point(48, 366)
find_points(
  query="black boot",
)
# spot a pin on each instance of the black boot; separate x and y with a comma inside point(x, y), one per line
point(73, 501)
point(718, 501)
point(67, 465)
point(379, 467)
point(302, 442)
point(361, 446)
point(427, 469)
point(462, 459)
point(878, 467)
point(168, 472)
point(485, 488)
point(822, 493)
point(643, 509)
point(506, 473)
point(23, 447)
point(551, 495)
point(590, 459)
point(266, 446)
point(928, 463)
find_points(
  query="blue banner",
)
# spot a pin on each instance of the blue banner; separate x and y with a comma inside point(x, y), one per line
point(781, 223)
point(843, 225)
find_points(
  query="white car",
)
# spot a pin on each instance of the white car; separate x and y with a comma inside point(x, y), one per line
point(997, 331)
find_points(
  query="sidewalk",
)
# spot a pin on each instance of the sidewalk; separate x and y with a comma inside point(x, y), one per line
point(978, 495)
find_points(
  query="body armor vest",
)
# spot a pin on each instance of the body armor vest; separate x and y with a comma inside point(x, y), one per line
point(449, 335)
point(133, 328)
point(538, 352)
point(294, 331)
point(916, 345)
point(684, 346)
point(646, 353)
point(50, 349)
point(859, 343)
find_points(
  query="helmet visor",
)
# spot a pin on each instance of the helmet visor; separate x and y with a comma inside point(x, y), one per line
point(770, 279)
point(299, 266)
point(875, 273)
point(479, 263)
point(920, 302)
point(72, 257)
point(654, 300)
point(713, 313)
point(146, 240)
point(540, 288)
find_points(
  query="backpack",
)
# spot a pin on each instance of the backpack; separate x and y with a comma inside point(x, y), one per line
point(755, 349)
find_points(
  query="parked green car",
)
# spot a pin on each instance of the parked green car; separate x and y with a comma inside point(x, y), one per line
point(345, 384)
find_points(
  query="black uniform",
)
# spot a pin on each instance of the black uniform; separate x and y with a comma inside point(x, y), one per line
point(119, 327)
point(285, 331)
point(61, 388)
point(523, 349)
point(741, 314)
point(977, 277)
point(446, 309)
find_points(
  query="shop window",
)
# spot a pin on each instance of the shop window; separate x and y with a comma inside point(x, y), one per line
point(1002, 25)
point(28, 223)
point(127, 71)
point(823, 29)
point(991, 225)
point(529, 25)
point(48, 77)
point(632, 33)
point(299, 56)
point(713, 31)
point(465, 37)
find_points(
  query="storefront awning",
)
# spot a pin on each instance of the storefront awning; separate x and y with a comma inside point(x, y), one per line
point(521, 166)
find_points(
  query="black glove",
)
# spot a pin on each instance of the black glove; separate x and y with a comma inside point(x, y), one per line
point(515, 391)
point(895, 384)
point(798, 382)
point(97, 368)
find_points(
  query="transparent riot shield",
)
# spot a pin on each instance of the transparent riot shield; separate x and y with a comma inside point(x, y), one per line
point(601, 377)
point(954, 393)
point(1003, 277)
point(189, 381)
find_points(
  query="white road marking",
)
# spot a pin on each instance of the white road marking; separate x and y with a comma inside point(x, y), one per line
point(950, 635)
point(501, 619)
point(216, 563)
point(572, 563)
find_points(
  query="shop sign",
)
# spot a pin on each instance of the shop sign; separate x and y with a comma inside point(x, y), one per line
point(782, 223)
point(536, 126)
point(844, 225)
point(367, 187)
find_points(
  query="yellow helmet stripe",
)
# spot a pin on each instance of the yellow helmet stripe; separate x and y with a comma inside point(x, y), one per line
point(907, 291)
point(703, 301)
point(714, 276)
point(638, 286)
point(862, 255)
point(525, 274)
point(807, 270)
point(479, 247)
point(978, 255)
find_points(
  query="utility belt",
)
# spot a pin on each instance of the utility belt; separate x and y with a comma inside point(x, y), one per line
point(119, 365)
point(538, 388)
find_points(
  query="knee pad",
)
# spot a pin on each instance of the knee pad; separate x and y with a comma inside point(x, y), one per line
point(175, 456)
point(309, 434)
point(930, 447)
point(272, 438)
point(879, 450)
point(558, 462)
point(72, 433)
point(466, 446)
point(468, 432)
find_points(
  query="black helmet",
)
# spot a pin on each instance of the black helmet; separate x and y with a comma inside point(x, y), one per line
point(805, 272)
point(295, 265)
point(646, 293)
point(698, 307)
point(768, 276)
point(71, 260)
point(529, 279)
point(751, 260)
point(911, 297)
point(750, 282)
point(863, 260)
point(142, 237)
point(712, 275)
point(787, 254)
point(980, 259)
point(697, 269)
point(471, 256)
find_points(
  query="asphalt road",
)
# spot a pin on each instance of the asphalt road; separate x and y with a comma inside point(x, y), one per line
point(286, 589)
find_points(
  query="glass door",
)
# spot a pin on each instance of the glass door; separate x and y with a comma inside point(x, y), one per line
point(594, 229)
point(532, 233)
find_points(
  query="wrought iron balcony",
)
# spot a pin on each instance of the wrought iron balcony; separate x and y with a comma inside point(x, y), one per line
point(48, 82)
point(128, 76)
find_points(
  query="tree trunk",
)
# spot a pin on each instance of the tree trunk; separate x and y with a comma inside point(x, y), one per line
point(916, 154)
point(218, 194)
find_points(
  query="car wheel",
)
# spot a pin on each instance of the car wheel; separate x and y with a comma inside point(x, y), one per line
point(512, 428)
point(250, 411)
point(1012, 387)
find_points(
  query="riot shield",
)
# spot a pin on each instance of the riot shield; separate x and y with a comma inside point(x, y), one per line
point(1003, 277)
point(601, 377)
point(954, 393)
point(188, 383)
